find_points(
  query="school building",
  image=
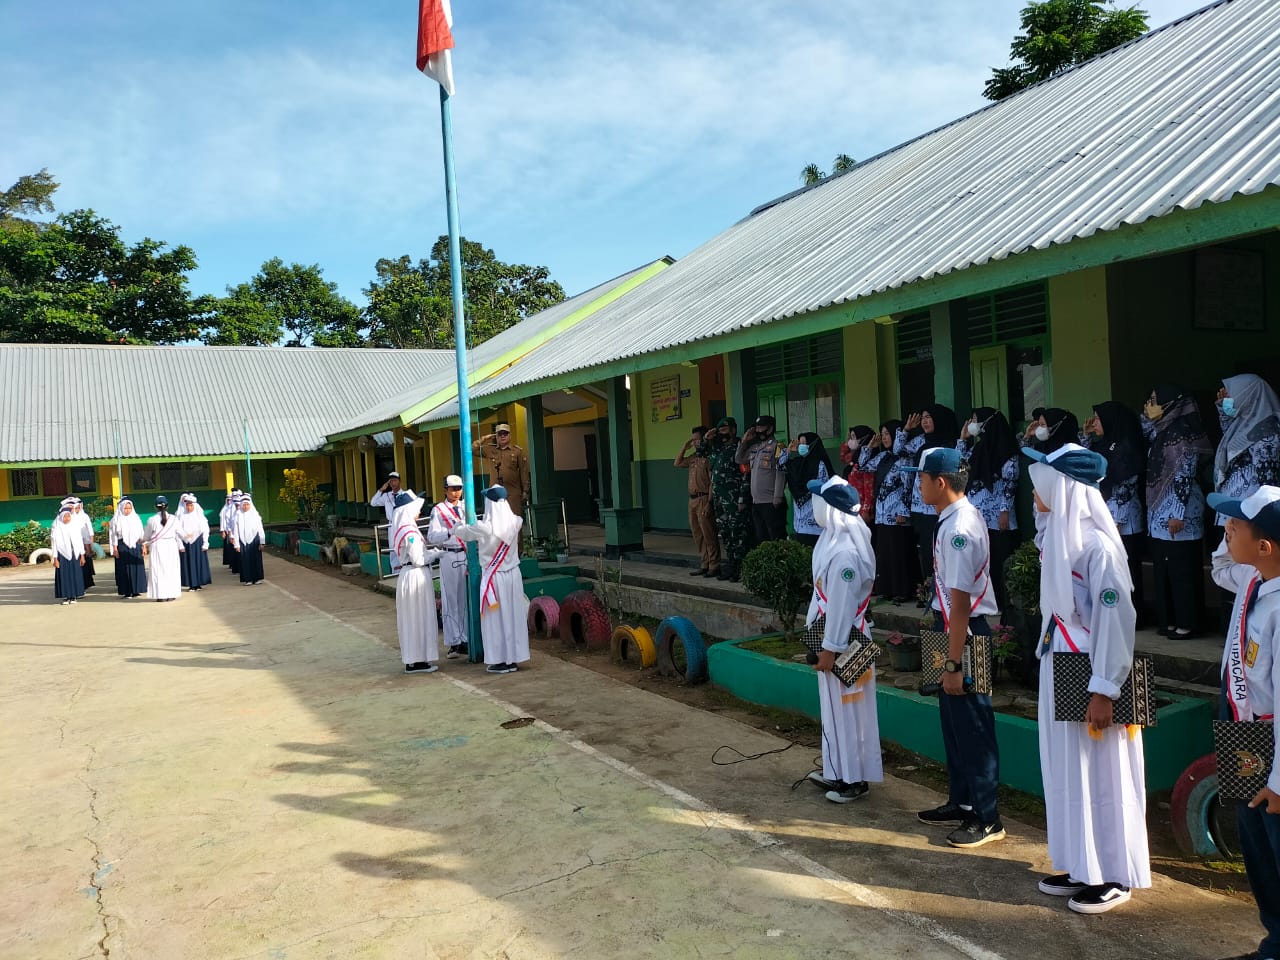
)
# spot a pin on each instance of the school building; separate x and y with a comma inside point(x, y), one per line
point(1080, 241)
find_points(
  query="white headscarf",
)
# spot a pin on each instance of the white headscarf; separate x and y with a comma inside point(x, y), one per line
point(841, 533)
point(126, 527)
point(1077, 513)
point(500, 521)
point(405, 521)
point(1255, 403)
point(66, 538)
point(191, 523)
point(246, 520)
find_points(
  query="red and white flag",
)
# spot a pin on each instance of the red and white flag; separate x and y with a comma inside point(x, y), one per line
point(435, 40)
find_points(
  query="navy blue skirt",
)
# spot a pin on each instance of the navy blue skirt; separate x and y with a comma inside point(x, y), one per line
point(68, 579)
point(194, 565)
point(87, 570)
point(251, 561)
point(131, 571)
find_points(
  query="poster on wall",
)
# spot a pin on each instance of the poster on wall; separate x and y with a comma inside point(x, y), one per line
point(664, 398)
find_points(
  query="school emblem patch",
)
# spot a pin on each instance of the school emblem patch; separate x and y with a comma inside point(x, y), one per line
point(1251, 653)
point(846, 573)
point(959, 542)
point(1109, 597)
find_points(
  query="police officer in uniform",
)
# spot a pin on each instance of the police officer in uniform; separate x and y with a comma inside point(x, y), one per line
point(507, 465)
point(759, 450)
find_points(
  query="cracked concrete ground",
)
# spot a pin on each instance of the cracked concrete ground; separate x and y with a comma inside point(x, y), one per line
point(245, 773)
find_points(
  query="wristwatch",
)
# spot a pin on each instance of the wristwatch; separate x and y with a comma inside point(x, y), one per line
point(951, 666)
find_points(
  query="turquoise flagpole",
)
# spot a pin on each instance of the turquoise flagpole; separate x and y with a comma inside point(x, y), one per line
point(474, 648)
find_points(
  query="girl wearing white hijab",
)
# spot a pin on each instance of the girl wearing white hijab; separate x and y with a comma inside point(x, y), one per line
point(126, 546)
point(79, 515)
point(193, 542)
point(250, 539)
point(504, 608)
point(67, 544)
point(415, 593)
point(225, 517)
point(1094, 787)
point(844, 573)
point(160, 543)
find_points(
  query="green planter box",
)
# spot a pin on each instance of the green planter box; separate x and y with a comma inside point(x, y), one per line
point(1183, 734)
point(369, 564)
point(277, 539)
point(308, 549)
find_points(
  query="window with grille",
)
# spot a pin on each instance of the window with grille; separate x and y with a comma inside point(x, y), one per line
point(143, 476)
point(53, 481)
point(800, 359)
point(913, 338)
point(170, 476)
point(84, 480)
point(1007, 316)
point(24, 483)
point(197, 476)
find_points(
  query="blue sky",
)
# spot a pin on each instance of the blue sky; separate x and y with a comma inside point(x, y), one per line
point(591, 135)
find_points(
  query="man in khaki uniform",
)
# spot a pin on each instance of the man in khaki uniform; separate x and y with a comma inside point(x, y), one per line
point(701, 522)
point(507, 466)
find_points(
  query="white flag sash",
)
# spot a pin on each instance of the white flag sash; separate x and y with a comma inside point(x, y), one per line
point(1237, 684)
point(488, 592)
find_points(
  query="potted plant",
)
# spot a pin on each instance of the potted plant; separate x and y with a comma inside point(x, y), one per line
point(779, 572)
point(1022, 582)
point(904, 652)
point(1006, 654)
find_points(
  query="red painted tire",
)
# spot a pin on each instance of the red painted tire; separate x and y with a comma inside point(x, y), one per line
point(9, 560)
point(584, 621)
point(544, 618)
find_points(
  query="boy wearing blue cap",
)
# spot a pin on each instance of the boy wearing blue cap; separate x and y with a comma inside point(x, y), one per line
point(962, 598)
point(1248, 563)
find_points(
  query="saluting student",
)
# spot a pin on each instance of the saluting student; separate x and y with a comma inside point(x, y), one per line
point(504, 609)
point(446, 517)
point(844, 571)
point(1094, 786)
point(962, 599)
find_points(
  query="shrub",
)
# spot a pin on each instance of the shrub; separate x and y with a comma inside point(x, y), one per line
point(22, 540)
point(1022, 578)
point(310, 504)
point(780, 573)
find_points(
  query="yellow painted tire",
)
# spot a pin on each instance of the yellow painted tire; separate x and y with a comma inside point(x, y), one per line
point(627, 639)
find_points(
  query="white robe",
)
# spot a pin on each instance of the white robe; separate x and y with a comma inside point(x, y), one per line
point(416, 603)
point(1094, 786)
point(453, 571)
point(504, 610)
point(164, 579)
point(850, 721)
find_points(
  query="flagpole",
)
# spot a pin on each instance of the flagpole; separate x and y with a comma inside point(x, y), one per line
point(475, 650)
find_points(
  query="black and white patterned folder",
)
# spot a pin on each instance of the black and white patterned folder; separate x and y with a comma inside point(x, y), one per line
point(935, 649)
point(1136, 704)
point(1245, 754)
point(854, 662)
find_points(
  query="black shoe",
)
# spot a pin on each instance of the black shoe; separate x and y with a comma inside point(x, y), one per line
point(697, 573)
point(848, 792)
point(724, 574)
point(1099, 899)
point(945, 814)
point(1061, 885)
point(975, 834)
point(817, 778)
point(420, 667)
point(735, 578)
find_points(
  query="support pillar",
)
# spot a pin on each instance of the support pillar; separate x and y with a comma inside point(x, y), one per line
point(402, 464)
point(370, 485)
point(339, 466)
point(742, 388)
point(229, 474)
point(623, 521)
point(544, 509)
point(948, 325)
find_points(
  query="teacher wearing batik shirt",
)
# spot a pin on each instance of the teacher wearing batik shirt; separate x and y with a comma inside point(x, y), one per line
point(1116, 432)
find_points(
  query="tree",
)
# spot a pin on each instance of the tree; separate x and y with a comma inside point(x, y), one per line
point(1057, 35)
point(293, 299)
point(76, 281)
point(813, 173)
point(29, 196)
point(412, 306)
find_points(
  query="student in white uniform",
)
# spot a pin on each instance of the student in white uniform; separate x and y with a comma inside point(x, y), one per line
point(446, 517)
point(415, 592)
point(385, 497)
point(1094, 787)
point(68, 555)
point(844, 570)
point(962, 600)
point(160, 543)
point(85, 522)
point(251, 540)
point(504, 609)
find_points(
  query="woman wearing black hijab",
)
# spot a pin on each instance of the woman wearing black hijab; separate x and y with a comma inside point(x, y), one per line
point(1053, 428)
point(1116, 432)
point(804, 460)
point(897, 570)
point(990, 446)
point(934, 426)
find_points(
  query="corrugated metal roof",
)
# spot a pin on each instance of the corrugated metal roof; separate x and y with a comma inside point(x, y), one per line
point(1188, 114)
point(513, 341)
point(67, 402)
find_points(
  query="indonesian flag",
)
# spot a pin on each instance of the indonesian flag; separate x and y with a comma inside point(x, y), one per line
point(435, 40)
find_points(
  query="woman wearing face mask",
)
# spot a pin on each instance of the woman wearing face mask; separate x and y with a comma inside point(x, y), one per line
point(897, 570)
point(1049, 431)
point(1175, 506)
point(804, 459)
point(935, 426)
point(863, 446)
point(991, 448)
point(1115, 432)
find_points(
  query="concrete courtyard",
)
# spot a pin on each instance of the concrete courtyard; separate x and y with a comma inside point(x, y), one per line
point(246, 773)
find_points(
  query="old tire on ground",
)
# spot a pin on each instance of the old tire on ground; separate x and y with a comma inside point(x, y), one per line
point(544, 618)
point(1198, 818)
point(9, 560)
point(633, 645)
point(40, 555)
point(584, 620)
point(681, 629)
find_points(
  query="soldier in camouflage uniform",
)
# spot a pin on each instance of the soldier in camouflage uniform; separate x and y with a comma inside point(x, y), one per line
point(730, 496)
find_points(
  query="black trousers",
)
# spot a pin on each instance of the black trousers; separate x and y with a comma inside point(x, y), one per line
point(924, 524)
point(897, 565)
point(1179, 582)
point(769, 522)
point(1135, 548)
point(1003, 543)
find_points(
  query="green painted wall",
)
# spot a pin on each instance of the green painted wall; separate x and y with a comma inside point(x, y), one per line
point(1079, 341)
point(663, 488)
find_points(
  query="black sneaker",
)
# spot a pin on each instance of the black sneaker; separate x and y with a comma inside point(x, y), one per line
point(975, 834)
point(848, 792)
point(947, 813)
point(420, 667)
point(698, 573)
point(815, 777)
point(1061, 885)
point(496, 668)
point(1099, 899)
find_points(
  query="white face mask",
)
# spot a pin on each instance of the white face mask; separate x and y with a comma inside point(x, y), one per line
point(1042, 433)
point(975, 429)
point(852, 443)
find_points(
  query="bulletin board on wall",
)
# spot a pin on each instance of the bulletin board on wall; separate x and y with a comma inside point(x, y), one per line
point(664, 398)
